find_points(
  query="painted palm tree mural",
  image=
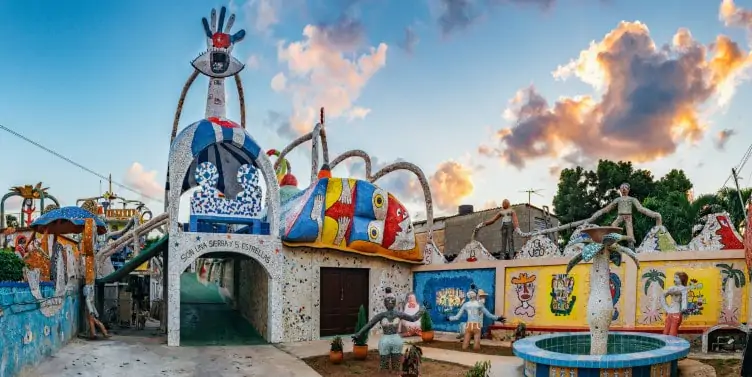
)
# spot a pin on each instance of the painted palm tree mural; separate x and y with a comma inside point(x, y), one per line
point(655, 281)
point(733, 279)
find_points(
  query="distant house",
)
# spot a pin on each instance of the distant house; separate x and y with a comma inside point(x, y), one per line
point(452, 233)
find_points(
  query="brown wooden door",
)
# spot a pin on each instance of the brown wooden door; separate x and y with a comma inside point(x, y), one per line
point(343, 291)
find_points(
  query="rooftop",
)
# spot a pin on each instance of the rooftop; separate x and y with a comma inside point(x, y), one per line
point(494, 209)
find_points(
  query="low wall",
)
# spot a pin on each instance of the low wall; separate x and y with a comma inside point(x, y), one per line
point(538, 293)
point(27, 333)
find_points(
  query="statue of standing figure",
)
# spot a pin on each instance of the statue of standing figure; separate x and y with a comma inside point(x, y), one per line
point(390, 344)
point(624, 204)
point(475, 312)
point(92, 315)
point(678, 306)
point(509, 226)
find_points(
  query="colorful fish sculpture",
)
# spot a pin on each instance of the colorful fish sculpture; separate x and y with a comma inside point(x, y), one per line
point(350, 215)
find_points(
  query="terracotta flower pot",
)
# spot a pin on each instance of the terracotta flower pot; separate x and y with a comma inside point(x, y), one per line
point(427, 336)
point(336, 357)
point(360, 352)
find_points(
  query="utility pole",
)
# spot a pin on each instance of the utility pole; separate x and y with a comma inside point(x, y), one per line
point(739, 193)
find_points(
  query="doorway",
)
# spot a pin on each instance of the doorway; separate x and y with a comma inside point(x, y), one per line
point(343, 291)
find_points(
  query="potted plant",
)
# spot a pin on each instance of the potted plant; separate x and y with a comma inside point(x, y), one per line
point(335, 352)
point(360, 348)
point(426, 327)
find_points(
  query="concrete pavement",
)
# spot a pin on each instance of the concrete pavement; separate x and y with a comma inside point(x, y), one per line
point(145, 357)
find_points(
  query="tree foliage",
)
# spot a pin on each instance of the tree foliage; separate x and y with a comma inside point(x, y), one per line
point(11, 266)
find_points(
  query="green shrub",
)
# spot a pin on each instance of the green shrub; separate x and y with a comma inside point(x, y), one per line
point(362, 321)
point(11, 266)
point(425, 322)
point(480, 369)
point(336, 344)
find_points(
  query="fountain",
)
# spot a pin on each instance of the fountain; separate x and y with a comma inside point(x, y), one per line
point(601, 353)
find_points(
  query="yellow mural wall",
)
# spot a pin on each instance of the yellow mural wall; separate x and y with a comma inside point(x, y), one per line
point(558, 299)
point(710, 301)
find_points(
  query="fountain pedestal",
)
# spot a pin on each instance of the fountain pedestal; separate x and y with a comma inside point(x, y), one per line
point(628, 355)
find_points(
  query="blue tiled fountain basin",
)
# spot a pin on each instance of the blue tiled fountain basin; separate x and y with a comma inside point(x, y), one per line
point(629, 354)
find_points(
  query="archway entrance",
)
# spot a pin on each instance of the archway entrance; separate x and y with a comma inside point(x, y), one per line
point(223, 301)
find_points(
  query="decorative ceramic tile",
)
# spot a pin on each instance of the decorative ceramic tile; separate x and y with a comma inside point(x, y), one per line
point(562, 372)
point(660, 370)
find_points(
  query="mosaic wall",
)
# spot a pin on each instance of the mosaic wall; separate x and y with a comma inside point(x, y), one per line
point(253, 298)
point(301, 282)
point(34, 253)
point(445, 292)
point(541, 295)
point(708, 281)
point(28, 333)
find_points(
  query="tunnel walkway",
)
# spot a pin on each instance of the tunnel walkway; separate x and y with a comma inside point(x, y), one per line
point(206, 318)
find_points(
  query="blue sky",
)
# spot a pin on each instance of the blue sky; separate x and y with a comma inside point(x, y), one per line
point(99, 81)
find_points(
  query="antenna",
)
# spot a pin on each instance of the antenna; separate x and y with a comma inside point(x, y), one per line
point(530, 192)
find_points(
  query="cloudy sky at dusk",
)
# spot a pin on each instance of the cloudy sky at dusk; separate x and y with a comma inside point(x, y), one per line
point(489, 97)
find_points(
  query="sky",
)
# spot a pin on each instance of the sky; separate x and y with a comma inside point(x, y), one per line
point(488, 97)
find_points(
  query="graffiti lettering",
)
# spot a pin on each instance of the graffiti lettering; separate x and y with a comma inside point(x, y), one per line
point(229, 245)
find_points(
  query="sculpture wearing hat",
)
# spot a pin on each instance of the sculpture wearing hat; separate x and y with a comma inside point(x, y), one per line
point(411, 308)
point(482, 295)
point(475, 312)
point(390, 344)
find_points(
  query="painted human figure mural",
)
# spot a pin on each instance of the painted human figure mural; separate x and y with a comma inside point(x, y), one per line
point(562, 300)
point(675, 310)
point(525, 288)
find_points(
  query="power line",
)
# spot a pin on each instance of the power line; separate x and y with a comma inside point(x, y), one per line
point(739, 167)
point(84, 168)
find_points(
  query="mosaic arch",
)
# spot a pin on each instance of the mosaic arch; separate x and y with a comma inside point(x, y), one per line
point(202, 142)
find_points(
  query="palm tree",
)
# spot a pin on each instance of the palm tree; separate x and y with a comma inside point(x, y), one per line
point(730, 274)
point(659, 278)
point(602, 249)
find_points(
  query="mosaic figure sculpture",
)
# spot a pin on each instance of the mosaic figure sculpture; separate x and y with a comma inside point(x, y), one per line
point(675, 310)
point(92, 315)
point(390, 344)
point(601, 245)
point(509, 226)
point(624, 204)
point(482, 295)
point(412, 307)
point(475, 312)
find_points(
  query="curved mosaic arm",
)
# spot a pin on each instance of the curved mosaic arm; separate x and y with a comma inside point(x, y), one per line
point(179, 110)
point(317, 134)
point(241, 93)
point(354, 153)
point(2, 207)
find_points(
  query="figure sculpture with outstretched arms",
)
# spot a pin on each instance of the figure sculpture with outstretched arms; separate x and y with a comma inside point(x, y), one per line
point(624, 204)
point(475, 312)
point(509, 225)
point(390, 344)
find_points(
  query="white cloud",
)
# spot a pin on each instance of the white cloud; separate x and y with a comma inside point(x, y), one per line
point(144, 181)
point(279, 82)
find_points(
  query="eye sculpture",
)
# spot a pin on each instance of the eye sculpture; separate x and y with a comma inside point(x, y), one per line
point(216, 61)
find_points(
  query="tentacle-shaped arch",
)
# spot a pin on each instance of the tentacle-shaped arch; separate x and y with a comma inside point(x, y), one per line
point(241, 98)
point(318, 134)
point(354, 153)
point(402, 165)
point(179, 110)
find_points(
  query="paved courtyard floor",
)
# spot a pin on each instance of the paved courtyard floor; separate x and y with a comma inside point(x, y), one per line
point(149, 357)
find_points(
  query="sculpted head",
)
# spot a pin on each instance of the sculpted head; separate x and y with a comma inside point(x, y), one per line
point(505, 204)
point(624, 189)
point(681, 278)
point(389, 300)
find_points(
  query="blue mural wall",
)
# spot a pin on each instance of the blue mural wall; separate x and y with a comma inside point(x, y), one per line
point(26, 335)
point(445, 291)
